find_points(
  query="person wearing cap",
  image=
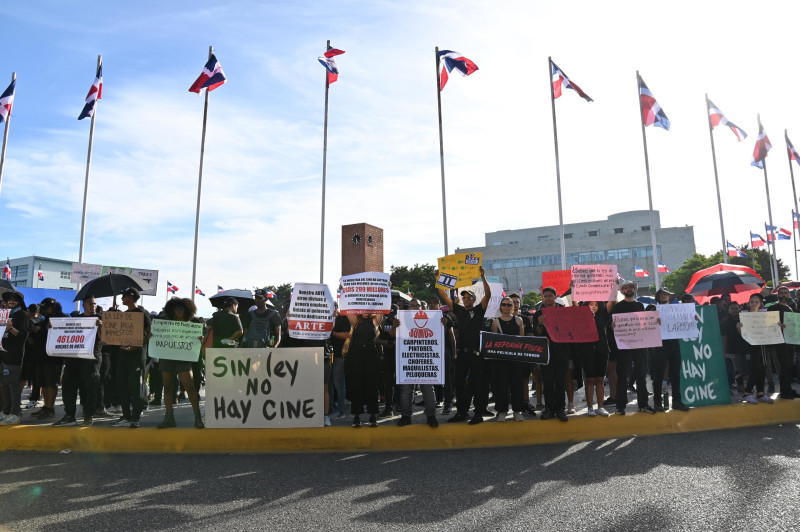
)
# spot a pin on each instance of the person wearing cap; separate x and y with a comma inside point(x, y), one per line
point(130, 366)
point(472, 370)
point(667, 356)
point(264, 322)
point(11, 357)
point(554, 374)
point(626, 356)
point(48, 370)
point(225, 327)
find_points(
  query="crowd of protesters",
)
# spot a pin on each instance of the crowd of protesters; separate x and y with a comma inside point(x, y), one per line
point(121, 381)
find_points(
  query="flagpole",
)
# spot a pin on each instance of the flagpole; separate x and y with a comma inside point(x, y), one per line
point(441, 147)
point(200, 183)
point(794, 196)
point(88, 170)
point(558, 166)
point(649, 190)
point(769, 211)
point(324, 175)
point(716, 181)
point(5, 137)
point(771, 253)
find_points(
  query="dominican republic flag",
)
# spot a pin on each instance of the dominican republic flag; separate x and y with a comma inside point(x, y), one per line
point(41, 273)
point(519, 290)
point(219, 289)
point(95, 93)
point(733, 251)
point(270, 294)
point(453, 60)
point(560, 80)
point(338, 294)
point(652, 113)
point(718, 119)
point(198, 291)
point(641, 272)
point(793, 155)
point(795, 219)
point(761, 148)
point(7, 270)
point(211, 77)
point(171, 288)
point(662, 268)
point(7, 101)
point(329, 62)
point(784, 234)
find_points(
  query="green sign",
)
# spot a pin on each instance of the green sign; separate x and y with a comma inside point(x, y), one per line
point(704, 378)
point(175, 340)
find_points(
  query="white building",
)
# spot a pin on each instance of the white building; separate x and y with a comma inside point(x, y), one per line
point(57, 272)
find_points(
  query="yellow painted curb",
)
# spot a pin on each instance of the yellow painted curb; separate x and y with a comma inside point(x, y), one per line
point(392, 438)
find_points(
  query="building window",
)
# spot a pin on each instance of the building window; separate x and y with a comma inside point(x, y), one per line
point(65, 275)
point(567, 235)
point(21, 284)
point(645, 228)
point(497, 243)
point(592, 233)
point(542, 238)
point(513, 243)
point(20, 271)
point(618, 230)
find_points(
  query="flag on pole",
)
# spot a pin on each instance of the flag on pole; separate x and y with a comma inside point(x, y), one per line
point(7, 269)
point(453, 60)
point(41, 273)
point(171, 288)
point(717, 119)
point(560, 80)
point(793, 155)
point(198, 291)
point(756, 241)
point(219, 289)
point(733, 251)
point(795, 219)
point(210, 78)
point(270, 294)
point(329, 62)
point(640, 272)
point(521, 295)
point(652, 113)
point(761, 148)
point(95, 93)
point(662, 268)
point(7, 102)
point(784, 234)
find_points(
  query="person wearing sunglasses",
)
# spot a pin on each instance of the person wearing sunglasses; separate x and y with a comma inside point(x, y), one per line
point(506, 374)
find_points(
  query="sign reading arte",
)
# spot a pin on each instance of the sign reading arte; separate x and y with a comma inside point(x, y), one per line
point(264, 388)
point(72, 337)
point(366, 293)
point(311, 312)
point(419, 347)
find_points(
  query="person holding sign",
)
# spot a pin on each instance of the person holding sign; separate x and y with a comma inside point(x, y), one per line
point(407, 390)
point(594, 358)
point(363, 367)
point(11, 356)
point(179, 309)
point(784, 352)
point(666, 356)
point(130, 367)
point(758, 359)
point(507, 374)
point(554, 374)
point(469, 319)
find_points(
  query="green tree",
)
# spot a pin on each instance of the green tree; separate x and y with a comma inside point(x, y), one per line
point(679, 278)
point(419, 280)
point(531, 298)
point(283, 295)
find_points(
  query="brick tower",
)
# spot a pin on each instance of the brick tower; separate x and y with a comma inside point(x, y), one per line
point(362, 248)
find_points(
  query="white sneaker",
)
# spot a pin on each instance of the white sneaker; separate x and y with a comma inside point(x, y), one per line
point(501, 416)
point(750, 399)
point(602, 412)
point(13, 419)
point(31, 404)
point(518, 416)
point(570, 408)
point(765, 399)
point(591, 413)
point(327, 421)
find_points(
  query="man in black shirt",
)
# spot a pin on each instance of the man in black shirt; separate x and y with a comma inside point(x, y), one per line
point(785, 352)
point(340, 335)
point(554, 374)
point(471, 368)
point(130, 367)
point(669, 354)
point(626, 356)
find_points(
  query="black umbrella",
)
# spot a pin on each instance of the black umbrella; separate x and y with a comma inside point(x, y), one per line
point(6, 286)
point(727, 279)
point(107, 286)
point(243, 297)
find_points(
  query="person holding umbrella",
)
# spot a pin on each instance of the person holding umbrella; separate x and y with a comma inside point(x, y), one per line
point(225, 327)
point(130, 366)
point(13, 342)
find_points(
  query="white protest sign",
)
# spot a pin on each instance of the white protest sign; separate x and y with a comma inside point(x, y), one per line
point(637, 330)
point(761, 328)
point(311, 312)
point(72, 337)
point(493, 309)
point(594, 282)
point(678, 321)
point(83, 273)
point(419, 347)
point(264, 388)
point(365, 293)
point(175, 340)
point(3, 319)
point(147, 279)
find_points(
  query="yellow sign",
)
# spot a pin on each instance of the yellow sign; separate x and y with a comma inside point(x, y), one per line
point(459, 269)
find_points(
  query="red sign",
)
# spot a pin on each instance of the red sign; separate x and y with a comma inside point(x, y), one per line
point(558, 279)
point(570, 325)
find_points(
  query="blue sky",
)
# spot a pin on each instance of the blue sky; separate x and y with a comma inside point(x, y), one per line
point(260, 219)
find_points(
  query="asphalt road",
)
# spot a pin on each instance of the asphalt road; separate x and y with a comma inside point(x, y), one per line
point(745, 479)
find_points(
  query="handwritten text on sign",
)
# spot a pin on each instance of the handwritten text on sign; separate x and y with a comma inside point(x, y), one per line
point(678, 321)
point(761, 328)
point(264, 388)
point(123, 328)
point(792, 331)
point(637, 330)
point(594, 282)
point(175, 340)
point(704, 377)
point(311, 312)
point(419, 347)
point(366, 293)
point(72, 337)
point(532, 349)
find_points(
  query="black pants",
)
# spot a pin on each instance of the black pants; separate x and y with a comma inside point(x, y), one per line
point(445, 392)
point(130, 365)
point(668, 353)
point(83, 375)
point(508, 375)
point(554, 377)
point(104, 386)
point(463, 392)
point(639, 359)
point(757, 365)
point(785, 356)
point(388, 369)
point(363, 375)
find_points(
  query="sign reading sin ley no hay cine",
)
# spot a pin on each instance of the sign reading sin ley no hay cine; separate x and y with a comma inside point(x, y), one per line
point(264, 388)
